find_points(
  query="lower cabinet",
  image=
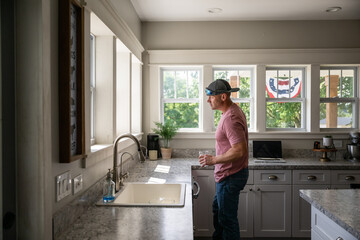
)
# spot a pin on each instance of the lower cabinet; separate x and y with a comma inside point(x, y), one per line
point(202, 206)
point(245, 212)
point(305, 179)
point(270, 204)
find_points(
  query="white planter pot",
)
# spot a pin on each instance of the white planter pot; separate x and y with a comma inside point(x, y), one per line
point(327, 142)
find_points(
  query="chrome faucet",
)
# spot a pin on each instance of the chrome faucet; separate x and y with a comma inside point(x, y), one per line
point(125, 175)
point(141, 156)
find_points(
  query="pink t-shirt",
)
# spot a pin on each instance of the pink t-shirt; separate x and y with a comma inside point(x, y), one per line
point(232, 129)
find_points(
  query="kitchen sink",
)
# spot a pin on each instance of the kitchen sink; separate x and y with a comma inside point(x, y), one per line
point(149, 195)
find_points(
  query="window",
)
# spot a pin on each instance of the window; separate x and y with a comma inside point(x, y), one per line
point(285, 98)
point(180, 97)
point(338, 97)
point(92, 88)
point(242, 78)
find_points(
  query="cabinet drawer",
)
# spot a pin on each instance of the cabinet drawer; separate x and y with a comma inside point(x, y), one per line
point(345, 176)
point(311, 177)
point(272, 176)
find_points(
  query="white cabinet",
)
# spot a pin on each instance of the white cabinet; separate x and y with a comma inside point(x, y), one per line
point(323, 228)
point(305, 179)
point(341, 179)
point(272, 203)
point(246, 206)
point(202, 206)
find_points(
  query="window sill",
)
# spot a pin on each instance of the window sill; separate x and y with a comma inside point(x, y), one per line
point(266, 135)
point(100, 152)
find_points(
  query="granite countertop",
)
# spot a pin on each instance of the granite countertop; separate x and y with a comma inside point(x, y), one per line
point(100, 222)
point(342, 206)
point(104, 222)
point(298, 164)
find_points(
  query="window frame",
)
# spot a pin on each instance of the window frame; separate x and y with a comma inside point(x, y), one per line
point(250, 100)
point(302, 99)
point(183, 100)
point(354, 99)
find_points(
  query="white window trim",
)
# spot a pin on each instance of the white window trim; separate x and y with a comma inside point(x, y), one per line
point(92, 88)
point(302, 99)
point(184, 100)
point(354, 99)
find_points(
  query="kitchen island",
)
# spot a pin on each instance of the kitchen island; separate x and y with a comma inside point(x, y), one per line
point(341, 206)
point(100, 222)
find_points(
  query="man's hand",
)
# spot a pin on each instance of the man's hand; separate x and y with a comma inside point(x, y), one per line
point(206, 160)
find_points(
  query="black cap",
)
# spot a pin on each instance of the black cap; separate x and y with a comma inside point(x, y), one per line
point(219, 86)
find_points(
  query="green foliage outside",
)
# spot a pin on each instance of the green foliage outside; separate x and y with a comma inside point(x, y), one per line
point(182, 115)
point(181, 85)
point(185, 85)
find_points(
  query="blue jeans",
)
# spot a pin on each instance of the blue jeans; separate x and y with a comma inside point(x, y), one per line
point(225, 205)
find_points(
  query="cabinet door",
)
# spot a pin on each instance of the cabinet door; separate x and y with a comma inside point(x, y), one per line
point(301, 218)
point(245, 211)
point(272, 211)
point(202, 206)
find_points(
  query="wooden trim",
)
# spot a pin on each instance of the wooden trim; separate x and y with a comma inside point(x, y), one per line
point(66, 104)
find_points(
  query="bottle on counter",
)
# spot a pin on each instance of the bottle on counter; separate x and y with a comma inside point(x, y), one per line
point(108, 189)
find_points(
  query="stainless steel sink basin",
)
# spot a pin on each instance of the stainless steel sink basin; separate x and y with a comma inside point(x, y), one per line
point(149, 195)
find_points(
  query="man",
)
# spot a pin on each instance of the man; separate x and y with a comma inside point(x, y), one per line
point(231, 160)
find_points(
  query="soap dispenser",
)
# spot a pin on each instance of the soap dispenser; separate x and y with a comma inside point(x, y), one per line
point(108, 189)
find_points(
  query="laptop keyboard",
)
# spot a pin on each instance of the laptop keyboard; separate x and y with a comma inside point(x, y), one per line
point(269, 160)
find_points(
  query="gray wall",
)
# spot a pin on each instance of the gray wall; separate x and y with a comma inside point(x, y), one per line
point(242, 35)
point(128, 13)
point(251, 35)
point(37, 117)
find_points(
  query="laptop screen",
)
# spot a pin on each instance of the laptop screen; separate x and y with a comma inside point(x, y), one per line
point(267, 149)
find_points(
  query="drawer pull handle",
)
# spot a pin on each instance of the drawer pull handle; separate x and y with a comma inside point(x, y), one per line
point(311, 178)
point(258, 189)
point(349, 178)
point(250, 189)
point(339, 238)
point(272, 177)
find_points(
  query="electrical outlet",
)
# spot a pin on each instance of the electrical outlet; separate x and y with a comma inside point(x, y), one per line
point(338, 143)
point(63, 185)
point(77, 183)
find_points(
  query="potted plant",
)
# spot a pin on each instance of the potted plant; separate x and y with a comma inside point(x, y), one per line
point(167, 131)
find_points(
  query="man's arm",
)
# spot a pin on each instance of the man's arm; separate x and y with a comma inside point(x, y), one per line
point(234, 153)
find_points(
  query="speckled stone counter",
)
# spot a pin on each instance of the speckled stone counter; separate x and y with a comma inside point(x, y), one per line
point(99, 222)
point(299, 163)
point(342, 206)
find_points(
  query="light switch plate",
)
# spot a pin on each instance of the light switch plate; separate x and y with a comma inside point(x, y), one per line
point(77, 183)
point(63, 185)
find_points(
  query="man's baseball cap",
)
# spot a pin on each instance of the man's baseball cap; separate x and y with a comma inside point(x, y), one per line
point(219, 86)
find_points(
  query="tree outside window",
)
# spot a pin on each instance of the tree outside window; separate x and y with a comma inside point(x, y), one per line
point(180, 97)
point(285, 98)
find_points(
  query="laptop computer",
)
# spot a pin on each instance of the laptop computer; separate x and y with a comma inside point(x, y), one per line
point(267, 152)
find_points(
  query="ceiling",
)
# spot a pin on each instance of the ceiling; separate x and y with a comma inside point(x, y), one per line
point(245, 10)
